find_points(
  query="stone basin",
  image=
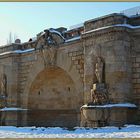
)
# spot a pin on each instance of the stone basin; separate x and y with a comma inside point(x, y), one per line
point(109, 114)
point(95, 114)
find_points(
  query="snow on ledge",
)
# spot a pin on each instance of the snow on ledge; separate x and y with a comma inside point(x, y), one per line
point(11, 109)
point(111, 105)
point(72, 39)
point(24, 51)
point(4, 53)
point(17, 51)
point(117, 25)
point(55, 31)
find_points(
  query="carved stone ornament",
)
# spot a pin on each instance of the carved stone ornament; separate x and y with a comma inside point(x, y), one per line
point(99, 69)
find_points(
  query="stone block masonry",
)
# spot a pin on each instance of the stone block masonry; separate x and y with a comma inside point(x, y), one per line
point(136, 74)
point(77, 58)
point(52, 76)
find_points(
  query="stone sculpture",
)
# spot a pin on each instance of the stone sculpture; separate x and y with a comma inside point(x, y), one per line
point(99, 90)
point(99, 94)
point(99, 69)
point(4, 85)
point(52, 55)
point(3, 94)
point(40, 41)
point(47, 44)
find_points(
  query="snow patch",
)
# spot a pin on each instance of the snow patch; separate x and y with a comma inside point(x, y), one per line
point(24, 51)
point(117, 25)
point(51, 30)
point(17, 51)
point(72, 39)
point(11, 109)
point(128, 131)
point(111, 105)
point(9, 52)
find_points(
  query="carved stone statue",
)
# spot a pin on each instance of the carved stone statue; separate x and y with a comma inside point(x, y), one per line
point(47, 43)
point(99, 70)
point(40, 42)
point(51, 55)
point(4, 85)
point(99, 91)
point(3, 92)
point(99, 94)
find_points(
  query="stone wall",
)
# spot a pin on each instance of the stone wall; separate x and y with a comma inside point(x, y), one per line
point(9, 68)
point(136, 75)
point(115, 51)
point(59, 80)
point(25, 63)
point(49, 88)
point(77, 58)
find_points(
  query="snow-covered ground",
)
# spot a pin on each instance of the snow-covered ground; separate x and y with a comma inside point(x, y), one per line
point(129, 131)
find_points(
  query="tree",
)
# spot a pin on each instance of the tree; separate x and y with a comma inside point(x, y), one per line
point(11, 38)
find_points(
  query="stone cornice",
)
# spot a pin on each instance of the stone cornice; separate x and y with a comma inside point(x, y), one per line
point(105, 30)
point(106, 16)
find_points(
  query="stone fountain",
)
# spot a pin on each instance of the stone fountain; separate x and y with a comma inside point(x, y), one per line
point(100, 111)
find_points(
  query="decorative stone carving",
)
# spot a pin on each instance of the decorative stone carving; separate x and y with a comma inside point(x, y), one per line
point(51, 55)
point(49, 38)
point(48, 42)
point(53, 37)
point(4, 85)
point(99, 70)
point(94, 114)
point(99, 90)
point(99, 94)
point(40, 41)
point(3, 92)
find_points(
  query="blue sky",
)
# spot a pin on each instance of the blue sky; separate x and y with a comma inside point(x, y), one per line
point(26, 19)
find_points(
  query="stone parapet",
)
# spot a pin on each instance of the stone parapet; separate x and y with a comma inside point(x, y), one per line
point(108, 20)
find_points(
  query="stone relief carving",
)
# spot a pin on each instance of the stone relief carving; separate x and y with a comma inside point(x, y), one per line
point(48, 42)
point(99, 94)
point(51, 55)
point(99, 69)
point(3, 93)
point(4, 85)
point(40, 41)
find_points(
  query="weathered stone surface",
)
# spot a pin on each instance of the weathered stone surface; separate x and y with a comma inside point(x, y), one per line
point(93, 116)
point(58, 76)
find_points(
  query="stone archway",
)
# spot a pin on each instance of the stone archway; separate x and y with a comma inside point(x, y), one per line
point(53, 89)
point(52, 99)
